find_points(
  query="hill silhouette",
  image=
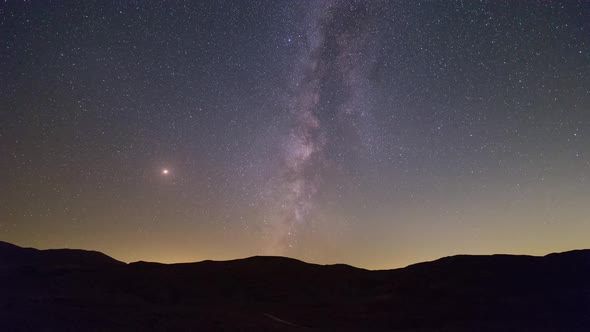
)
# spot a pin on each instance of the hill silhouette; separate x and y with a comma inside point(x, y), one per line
point(77, 290)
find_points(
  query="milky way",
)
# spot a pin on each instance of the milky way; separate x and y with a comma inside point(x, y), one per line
point(336, 57)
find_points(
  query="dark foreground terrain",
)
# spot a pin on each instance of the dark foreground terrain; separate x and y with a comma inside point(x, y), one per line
point(76, 290)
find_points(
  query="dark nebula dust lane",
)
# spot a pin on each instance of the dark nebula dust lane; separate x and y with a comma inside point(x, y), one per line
point(373, 133)
point(330, 84)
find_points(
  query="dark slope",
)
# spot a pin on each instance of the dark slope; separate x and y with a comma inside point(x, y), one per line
point(14, 256)
point(460, 293)
point(498, 291)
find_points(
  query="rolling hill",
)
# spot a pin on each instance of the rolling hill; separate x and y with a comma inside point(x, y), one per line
point(77, 290)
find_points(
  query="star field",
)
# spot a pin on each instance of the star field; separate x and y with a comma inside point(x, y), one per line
point(373, 133)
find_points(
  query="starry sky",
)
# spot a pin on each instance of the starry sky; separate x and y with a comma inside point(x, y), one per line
point(372, 133)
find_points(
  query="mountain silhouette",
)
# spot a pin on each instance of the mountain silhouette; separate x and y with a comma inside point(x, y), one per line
point(78, 290)
point(14, 256)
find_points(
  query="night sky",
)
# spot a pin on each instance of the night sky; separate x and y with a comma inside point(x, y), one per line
point(372, 133)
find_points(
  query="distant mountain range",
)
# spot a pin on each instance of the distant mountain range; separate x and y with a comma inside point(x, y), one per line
point(77, 290)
